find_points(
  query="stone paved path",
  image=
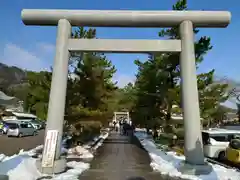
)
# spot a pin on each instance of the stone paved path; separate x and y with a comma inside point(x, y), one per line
point(120, 158)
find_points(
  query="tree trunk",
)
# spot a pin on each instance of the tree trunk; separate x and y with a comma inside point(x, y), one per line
point(238, 115)
point(238, 112)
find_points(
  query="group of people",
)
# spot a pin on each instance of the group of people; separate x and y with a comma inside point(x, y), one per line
point(123, 127)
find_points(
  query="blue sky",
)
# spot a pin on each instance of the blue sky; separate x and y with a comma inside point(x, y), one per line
point(32, 47)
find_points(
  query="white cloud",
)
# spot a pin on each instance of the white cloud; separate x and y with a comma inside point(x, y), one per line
point(14, 55)
point(46, 48)
point(123, 80)
point(40, 59)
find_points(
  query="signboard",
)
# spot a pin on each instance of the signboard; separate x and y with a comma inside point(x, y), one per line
point(49, 148)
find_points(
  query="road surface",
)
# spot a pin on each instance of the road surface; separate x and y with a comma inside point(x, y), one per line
point(12, 145)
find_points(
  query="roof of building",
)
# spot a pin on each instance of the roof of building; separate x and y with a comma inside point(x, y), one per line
point(5, 99)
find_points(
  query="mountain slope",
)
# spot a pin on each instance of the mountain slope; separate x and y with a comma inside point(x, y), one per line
point(11, 77)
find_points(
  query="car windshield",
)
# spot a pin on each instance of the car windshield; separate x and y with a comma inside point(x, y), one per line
point(35, 122)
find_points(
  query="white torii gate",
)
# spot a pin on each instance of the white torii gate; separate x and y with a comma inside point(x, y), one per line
point(121, 113)
point(186, 20)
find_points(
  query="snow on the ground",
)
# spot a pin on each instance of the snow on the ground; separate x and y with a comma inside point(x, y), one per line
point(79, 152)
point(83, 152)
point(168, 163)
point(22, 166)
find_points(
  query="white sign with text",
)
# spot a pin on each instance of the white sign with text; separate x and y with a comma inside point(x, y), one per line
point(49, 148)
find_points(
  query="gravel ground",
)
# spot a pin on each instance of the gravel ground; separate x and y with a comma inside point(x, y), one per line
point(12, 145)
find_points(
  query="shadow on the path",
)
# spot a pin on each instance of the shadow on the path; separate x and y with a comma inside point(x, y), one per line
point(136, 178)
point(116, 142)
point(135, 141)
point(132, 140)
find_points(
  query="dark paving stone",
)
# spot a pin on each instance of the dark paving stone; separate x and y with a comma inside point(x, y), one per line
point(120, 158)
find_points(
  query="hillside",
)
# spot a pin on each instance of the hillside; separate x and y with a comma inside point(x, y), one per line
point(11, 76)
point(13, 81)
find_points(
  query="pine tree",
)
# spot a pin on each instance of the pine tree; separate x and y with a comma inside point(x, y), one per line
point(93, 84)
point(39, 84)
point(158, 79)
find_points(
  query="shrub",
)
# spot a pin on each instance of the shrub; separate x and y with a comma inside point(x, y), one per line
point(179, 133)
point(86, 130)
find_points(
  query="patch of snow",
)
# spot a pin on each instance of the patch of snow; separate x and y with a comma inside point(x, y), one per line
point(79, 152)
point(98, 144)
point(32, 151)
point(168, 163)
point(83, 152)
point(2, 156)
point(22, 166)
point(10, 163)
point(72, 174)
point(104, 136)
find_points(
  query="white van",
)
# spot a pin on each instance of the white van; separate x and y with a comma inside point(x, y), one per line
point(215, 142)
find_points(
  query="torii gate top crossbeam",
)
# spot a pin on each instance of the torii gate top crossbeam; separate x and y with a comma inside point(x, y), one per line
point(112, 18)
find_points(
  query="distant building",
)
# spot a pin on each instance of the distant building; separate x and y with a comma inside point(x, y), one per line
point(9, 115)
point(231, 116)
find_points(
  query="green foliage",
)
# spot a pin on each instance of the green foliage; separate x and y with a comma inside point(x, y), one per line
point(126, 98)
point(210, 97)
point(89, 85)
point(158, 82)
point(38, 93)
point(84, 131)
point(91, 88)
point(78, 113)
point(147, 85)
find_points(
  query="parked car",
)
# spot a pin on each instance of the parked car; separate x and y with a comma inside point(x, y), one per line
point(41, 123)
point(233, 152)
point(3, 127)
point(35, 123)
point(20, 129)
point(216, 140)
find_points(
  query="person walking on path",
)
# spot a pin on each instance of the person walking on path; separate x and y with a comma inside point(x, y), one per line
point(121, 127)
point(125, 125)
point(117, 127)
point(114, 125)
